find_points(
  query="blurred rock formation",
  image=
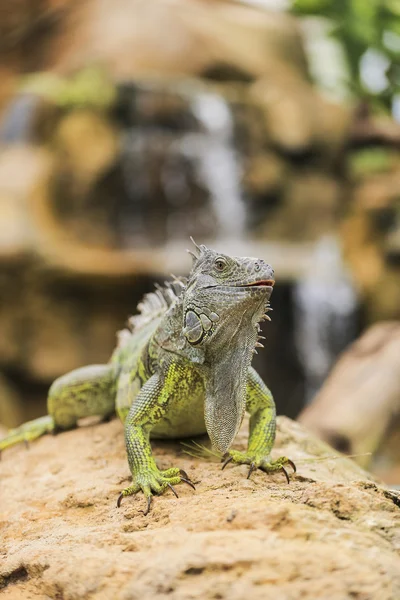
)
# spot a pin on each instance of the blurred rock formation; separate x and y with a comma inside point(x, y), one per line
point(371, 227)
point(127, 126)
point(358, 408)
point(134, 126)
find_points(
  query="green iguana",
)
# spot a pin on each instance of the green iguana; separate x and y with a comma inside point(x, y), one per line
point(182, 368)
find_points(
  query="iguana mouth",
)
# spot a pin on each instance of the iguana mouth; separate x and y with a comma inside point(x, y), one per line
point(268, 283)
point(261, 283)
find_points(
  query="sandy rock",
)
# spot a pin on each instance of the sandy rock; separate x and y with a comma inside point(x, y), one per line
point(332, 528)
point(87, 145)
point(310, 198)
point(377, 192)
point(332, 122)
point(127, 37)
point(297, 119)
point(358, 402)
point(387, 305)
point(286, 102)
point(265, 174)
point(21, 166)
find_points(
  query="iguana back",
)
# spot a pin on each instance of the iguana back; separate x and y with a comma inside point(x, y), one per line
point(131, 357)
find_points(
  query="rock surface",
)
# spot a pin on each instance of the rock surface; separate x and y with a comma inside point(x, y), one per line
point(333, 532)
point(359, 403)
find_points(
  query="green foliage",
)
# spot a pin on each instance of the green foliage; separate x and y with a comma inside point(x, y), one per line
point(87, 87)
point(359, 26)
point(369, 161)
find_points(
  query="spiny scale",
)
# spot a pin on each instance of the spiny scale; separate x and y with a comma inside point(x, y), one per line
point(195, 245)
point(192, 254)
point(199, 250)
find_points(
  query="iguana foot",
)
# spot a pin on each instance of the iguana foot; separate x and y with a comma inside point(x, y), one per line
point(259, 462)
point(155, 482)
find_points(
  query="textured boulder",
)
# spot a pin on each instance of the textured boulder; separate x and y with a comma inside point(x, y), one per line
point(333, 528)
point(357, 409)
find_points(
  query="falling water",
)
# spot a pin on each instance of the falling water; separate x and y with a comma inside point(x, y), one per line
point(325, 313)
point(219, 165)
point(184, 181)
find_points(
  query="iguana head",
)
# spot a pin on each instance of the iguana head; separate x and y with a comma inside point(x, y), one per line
point(225, 299)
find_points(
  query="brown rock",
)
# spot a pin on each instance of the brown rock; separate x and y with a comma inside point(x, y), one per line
point(386, 304)
point(310, 208)
point(331, 529)
point(264, 174)
point(286, 101)
point(362, 251)
point(21, 167)
point(86, 144)
point(332, 122)
point(299, 120)
point(201, 34)
point(377, 192)
point(357, 404)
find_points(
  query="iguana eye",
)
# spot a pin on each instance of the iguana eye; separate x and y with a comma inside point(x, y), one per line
point(220, 264)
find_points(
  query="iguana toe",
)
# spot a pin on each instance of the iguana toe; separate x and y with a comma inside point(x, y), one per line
point(278, 465)
point(155, 483)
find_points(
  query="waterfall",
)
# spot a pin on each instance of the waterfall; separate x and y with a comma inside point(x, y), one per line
point(184, 181)
point(218, 164)
point(326, 305)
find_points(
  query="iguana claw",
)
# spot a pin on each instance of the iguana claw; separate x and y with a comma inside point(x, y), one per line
point(171, 487)
point(146, 512)
point(185, 478)
point(259, 462)
point(120, 499)
point(226, 462)
point(286, 474)
point(252, 468)
point(188, 482)
point(291, 463)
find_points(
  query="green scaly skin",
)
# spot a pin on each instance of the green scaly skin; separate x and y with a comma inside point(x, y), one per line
point(181, 369)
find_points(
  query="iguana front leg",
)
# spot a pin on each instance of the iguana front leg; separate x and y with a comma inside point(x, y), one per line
point(261, 406)
point(148, 408)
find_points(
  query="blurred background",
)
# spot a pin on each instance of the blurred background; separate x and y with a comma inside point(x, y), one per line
point(268, 128)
